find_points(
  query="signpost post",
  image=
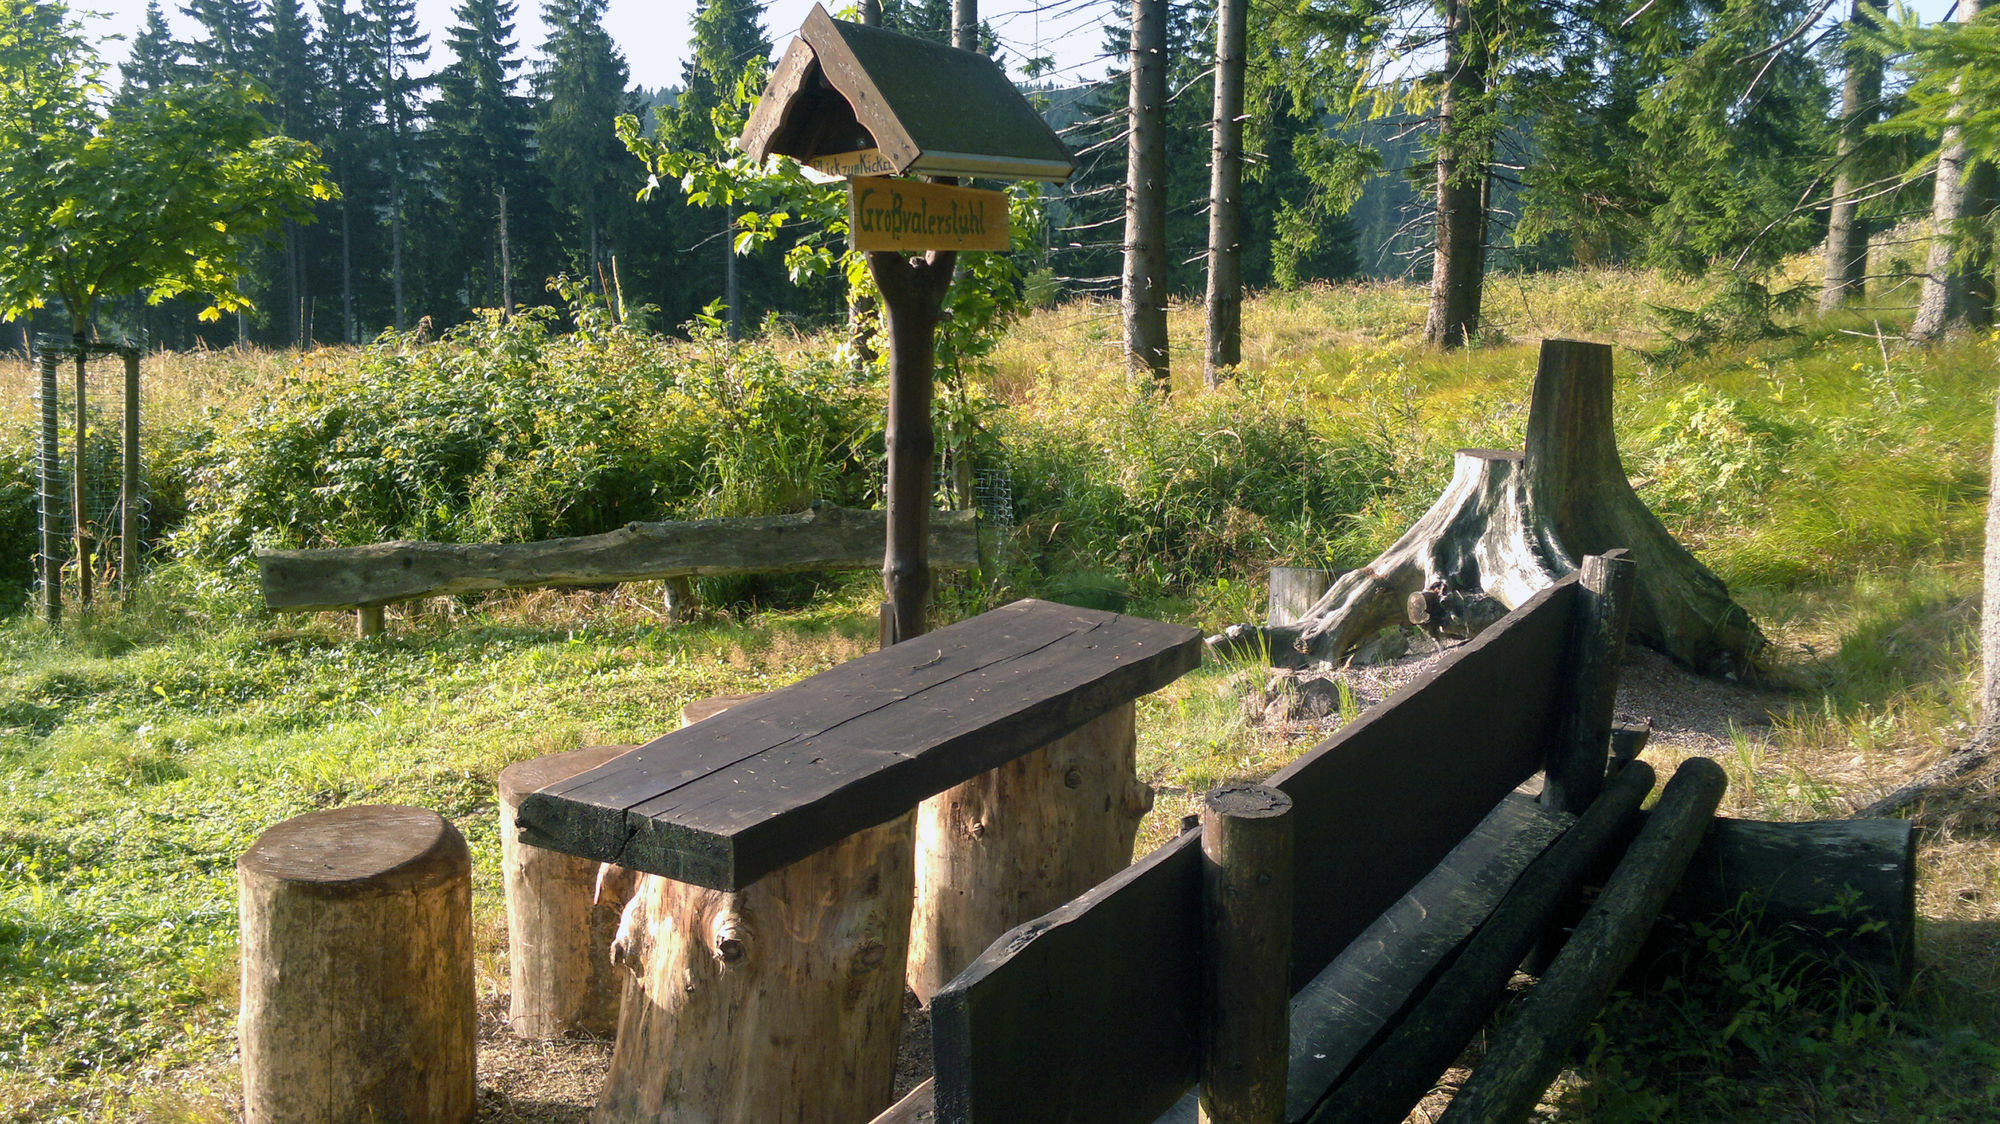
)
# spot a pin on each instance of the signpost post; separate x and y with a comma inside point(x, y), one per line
point(857, 102)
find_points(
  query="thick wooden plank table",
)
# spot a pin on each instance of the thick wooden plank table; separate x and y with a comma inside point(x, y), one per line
point(723, 802)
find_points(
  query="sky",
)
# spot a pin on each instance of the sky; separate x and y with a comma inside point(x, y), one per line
point(653, 34)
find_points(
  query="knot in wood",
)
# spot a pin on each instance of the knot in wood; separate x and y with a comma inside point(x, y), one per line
point(1073, 778)
point(976, 829)
point(870, 956)
point(727, 935)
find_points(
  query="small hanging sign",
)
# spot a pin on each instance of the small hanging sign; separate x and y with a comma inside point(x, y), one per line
point(836, 166)
point(893, 214)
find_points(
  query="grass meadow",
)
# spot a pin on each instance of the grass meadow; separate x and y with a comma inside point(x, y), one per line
point(1834, 478)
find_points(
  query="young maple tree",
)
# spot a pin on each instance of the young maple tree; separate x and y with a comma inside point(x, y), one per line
point(160, 196)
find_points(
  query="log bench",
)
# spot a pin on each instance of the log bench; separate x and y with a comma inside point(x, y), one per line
point(1418, 851)
point(769, 950)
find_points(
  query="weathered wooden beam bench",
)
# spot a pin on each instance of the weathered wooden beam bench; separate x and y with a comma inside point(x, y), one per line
point(768, 950)
point(1422, 871)
point(366, 578)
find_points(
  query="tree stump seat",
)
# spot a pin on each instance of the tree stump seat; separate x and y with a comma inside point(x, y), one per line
point(562, 913)
point(357, 991)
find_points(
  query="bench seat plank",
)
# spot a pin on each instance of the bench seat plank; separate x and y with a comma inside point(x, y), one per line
point(725, 801)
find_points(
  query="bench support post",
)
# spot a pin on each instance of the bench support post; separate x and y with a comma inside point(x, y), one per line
point(1246, 848)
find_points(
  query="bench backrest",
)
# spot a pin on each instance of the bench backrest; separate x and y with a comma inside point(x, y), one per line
point(1089, 1013)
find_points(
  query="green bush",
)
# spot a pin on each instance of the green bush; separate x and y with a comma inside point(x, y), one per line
point(502, 431)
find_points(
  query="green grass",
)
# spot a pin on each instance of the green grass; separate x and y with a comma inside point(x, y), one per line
point(1839, 492)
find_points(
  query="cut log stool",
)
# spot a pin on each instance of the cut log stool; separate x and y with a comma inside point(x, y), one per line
point(1016, 842)
point(562, 913)
point(357, 999)
point(779, 1002)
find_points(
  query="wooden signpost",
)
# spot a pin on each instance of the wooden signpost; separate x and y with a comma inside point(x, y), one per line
point(857, 102)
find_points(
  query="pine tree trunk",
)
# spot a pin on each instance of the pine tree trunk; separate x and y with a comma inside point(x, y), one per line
point(965, 24)
point(396, 248)
point(1846, 237)
point(506, 262)
point(347, 268)
point(1144, 294)
point(1458, 266)
point(1941, 304)
point(1225, 194)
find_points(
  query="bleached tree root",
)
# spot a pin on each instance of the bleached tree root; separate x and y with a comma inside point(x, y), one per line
point(1512, 523)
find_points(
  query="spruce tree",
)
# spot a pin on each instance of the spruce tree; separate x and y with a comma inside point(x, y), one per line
point(581, 86)
point(345, 67)
point(288, 77)
point(396, 47)
point(480, 126)
point(157, 59)
point(728, 38)
point(233, 33)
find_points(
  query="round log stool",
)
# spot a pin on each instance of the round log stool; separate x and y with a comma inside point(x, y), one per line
point(1013, 843)
point(357, 999)
point(562, 912)
point(779, 1003)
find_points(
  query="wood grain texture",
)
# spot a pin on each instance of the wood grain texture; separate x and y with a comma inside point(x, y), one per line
point(1246, 852)
point(357, 991)
point(825, 538)
point(1017, 841)
point(1089, 1013)
point(1445, 1012)
point(1338, 1016)
point(1532, 1046)
point(918, 1106)
point(1582, 746)
point(561, 915)
point(781, 1003)
point(725, 801)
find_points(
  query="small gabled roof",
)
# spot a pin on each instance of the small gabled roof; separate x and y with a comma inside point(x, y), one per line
point(928, 108)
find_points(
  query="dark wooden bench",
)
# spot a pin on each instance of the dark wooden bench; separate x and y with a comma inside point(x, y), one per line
point(1408, 829)
point(767, 953)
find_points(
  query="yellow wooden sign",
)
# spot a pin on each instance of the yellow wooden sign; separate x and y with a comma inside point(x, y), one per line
point(890, 214)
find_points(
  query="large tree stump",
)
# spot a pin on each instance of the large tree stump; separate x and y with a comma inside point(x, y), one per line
point(1012, 844)
point(1511, 523)
point(562, 913)
point(781, 1002)
point(358, 999)
point(1581, 497)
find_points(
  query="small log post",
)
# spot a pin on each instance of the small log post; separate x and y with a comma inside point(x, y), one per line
point(368, 621)
point(357, 992)
point(1246, 880)
point(913, 290)
point(1583, 499)
point(1293, 591)
point(51, 476)
point(680, 599)
point(1020, 840)
point(80, 505)
point(1530, 1049)
point(1582, 750)
point(562, 913)
point(1395, 1075)
point(781, 1002)
point(128, 485)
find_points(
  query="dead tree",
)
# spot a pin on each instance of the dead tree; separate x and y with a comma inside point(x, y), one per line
point(1512, 523)
point(1144, 294)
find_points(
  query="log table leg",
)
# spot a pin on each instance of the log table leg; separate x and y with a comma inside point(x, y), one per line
point(1016, 842)
point(562, 913)
point(357, 1000)
point(778, 1003)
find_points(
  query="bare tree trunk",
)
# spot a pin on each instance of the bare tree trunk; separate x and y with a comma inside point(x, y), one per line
point(506, 261)
point(1458, 266)
point(347, 268)
point(1144, 291)
point(965, 24)
point(912, 297)
point(1846, 238)
point(1941, 304)
point(1225, 194)
point(732, 289)
point(871, 13)
point(1979, 290)
point(396, 247)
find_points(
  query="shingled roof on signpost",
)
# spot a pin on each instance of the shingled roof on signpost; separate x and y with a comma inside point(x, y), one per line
point(844, 89)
